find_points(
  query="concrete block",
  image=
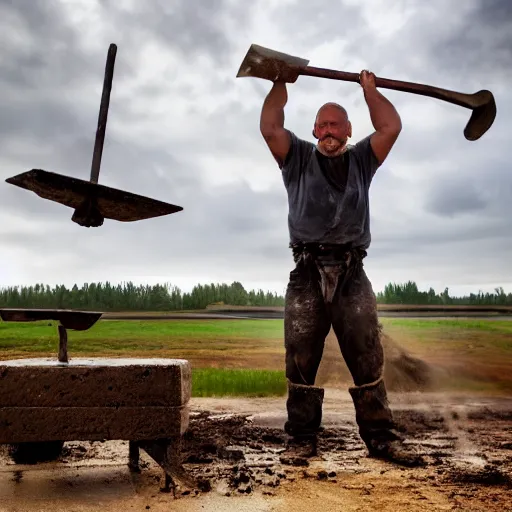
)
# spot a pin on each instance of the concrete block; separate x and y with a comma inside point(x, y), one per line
point(95, 382)
point(27, 424)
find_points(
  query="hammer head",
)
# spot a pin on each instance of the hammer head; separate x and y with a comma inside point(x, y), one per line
point(261, 62)
point(91, 202)
point(70, 319)
point(484, 113)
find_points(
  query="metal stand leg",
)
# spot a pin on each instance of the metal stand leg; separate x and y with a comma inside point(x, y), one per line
point(63, 344)
point(169, 484)
point(167, 454)
point(133, 455)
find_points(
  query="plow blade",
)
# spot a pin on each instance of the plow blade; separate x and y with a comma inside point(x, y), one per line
point(108, 203)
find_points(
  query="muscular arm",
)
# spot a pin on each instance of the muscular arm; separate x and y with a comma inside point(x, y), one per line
point(272, 122)
point(385, 119)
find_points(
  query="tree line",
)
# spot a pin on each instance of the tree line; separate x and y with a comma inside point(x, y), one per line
point(131, 297)
point(408, 293)
point(166, 297)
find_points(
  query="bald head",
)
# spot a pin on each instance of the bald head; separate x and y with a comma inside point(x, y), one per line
point(332, 105)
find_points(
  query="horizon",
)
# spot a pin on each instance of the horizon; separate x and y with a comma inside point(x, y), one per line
point(189, 290)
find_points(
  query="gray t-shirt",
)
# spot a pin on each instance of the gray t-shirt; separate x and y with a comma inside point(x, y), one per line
point(328, 197)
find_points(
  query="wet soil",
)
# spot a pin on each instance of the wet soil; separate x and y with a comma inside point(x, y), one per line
point(237, 452)
point(468, 446)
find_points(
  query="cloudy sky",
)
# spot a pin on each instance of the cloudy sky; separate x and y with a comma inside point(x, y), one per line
point(184, 130)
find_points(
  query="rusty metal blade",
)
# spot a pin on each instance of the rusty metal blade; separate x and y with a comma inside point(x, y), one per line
point(70, 319)
point(73, 192)
point(261, 62)
point(483, 116)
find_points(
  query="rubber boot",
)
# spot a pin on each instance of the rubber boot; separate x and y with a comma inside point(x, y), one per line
point(377, 428)
point(304, 406)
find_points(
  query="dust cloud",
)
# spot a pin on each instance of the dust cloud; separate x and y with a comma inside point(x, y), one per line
point(403, 372)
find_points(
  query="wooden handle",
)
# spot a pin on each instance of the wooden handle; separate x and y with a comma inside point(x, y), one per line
point(461, 99)
point(329, 73)
point(103, 114)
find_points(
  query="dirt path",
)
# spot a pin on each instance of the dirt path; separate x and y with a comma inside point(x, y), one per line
point(236, 450)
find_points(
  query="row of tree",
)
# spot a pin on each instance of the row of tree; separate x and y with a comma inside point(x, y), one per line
point(408, 293)
point(166, 297)
point(129, 297)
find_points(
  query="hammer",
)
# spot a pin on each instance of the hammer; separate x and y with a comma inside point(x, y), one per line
point(261, 62)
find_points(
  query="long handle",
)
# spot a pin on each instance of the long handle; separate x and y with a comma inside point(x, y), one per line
point(457, 98)
point(102, 117)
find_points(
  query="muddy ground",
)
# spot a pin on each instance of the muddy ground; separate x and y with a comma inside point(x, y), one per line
point(235, 449)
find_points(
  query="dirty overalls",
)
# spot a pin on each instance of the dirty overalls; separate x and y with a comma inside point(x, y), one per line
point(329, 286)
point(328, 201)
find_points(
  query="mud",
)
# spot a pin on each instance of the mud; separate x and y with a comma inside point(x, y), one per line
point(233, 453)
point(240, 457)
point(236, 450)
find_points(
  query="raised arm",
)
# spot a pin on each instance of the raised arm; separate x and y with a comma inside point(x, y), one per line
point(385, 118)
point(272, 122)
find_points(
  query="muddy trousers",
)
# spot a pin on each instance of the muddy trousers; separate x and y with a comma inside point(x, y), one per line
point(351, 310)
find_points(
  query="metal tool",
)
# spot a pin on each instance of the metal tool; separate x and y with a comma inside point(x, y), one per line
point(261, 62)
point(93, 202)
point(68, 319)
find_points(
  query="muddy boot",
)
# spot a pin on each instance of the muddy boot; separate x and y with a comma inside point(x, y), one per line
point(377, 428)
point(298, 450)
point(304, 406)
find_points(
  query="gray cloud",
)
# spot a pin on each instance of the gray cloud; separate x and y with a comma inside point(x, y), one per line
point(189, 29)
point(486, 31)
point(450, 199)
point(182, 129)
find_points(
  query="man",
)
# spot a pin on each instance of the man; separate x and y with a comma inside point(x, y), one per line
point(329, 225)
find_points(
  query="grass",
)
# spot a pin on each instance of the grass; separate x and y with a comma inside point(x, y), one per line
point(493, 335)
point(246, 357)
point(474, 355)
point(249, 383)
point(134, 336)
point(144, 329)
point(426, 324)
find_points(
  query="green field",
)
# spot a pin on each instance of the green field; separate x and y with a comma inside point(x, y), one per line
point(247, 356)
point(250, 383)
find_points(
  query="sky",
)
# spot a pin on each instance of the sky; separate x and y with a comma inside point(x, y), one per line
point(183, 129)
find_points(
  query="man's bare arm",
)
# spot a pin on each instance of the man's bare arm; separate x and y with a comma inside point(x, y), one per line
point(272, 122)
point(385, 118)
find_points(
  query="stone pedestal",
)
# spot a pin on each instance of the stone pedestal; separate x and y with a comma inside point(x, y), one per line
point(144, 401)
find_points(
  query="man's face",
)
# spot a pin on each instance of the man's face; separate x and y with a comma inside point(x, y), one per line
point(332, 128)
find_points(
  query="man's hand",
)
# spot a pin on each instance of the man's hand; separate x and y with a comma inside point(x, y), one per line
point(385, 118)
point(367, 80)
